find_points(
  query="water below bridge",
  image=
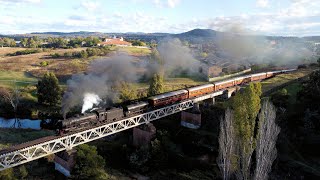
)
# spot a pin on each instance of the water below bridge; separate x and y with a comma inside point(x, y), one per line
point(20, 123)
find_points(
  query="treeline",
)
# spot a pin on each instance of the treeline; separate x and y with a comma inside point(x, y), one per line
point(89, 52)
point(73, 42)
point(59, 42)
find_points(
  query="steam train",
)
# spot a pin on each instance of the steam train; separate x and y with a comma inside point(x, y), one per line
point(108, 115)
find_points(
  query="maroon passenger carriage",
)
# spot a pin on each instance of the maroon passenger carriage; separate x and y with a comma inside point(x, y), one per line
point(168, 98)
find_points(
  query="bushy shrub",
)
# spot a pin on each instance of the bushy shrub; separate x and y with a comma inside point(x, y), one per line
point(44, 63)
point(55, 55)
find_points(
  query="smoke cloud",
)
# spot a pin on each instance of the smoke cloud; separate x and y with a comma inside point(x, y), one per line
point(177, 57)
point(102, 76)
point(106, 73)
point(244, 47)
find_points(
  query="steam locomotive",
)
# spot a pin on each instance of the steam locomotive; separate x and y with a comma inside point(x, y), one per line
point(108, 115)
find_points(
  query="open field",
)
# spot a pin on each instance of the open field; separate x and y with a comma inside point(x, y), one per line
point(135, 51)
point(62, 67)
point(16, 136)
point(31, 63)
point(6, 50)
point(23, 79)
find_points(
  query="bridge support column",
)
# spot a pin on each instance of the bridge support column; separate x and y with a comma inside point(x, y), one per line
point(230, 91)
point(64, 161)
point(143, 134)
point(210, 101)
point(191, 119)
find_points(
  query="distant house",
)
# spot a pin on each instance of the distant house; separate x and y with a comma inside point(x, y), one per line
point(114, 41)
point(18, 44)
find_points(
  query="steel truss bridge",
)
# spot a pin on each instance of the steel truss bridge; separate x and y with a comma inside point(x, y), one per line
point(56, 144)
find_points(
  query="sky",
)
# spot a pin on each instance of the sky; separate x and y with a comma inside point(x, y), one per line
point(265, 17)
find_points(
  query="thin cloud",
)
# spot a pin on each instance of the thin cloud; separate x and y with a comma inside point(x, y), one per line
point(262, 3)
point(90, 5)
point(166, 3)
point(19, 1)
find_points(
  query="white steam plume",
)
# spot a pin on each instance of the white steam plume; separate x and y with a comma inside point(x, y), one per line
point(89, 100)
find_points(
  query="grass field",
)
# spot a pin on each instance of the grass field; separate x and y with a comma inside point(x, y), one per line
point(31, 63)
point(6, 50)
point(292, 90)
point(284, 78)
point(23, 79)
point(135, 51)
point(16, 136)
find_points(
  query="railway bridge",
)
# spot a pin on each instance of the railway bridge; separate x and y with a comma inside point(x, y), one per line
point(32, 150)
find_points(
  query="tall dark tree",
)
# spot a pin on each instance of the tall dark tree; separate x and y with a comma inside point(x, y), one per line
point(310, 94)
point(89, 165)
point(48, 90)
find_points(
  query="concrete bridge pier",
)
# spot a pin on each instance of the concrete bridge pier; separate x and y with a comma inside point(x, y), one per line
point(230, 91)
point(191, 119)
point(143, 134)
point(210, 101)
point(64, 161)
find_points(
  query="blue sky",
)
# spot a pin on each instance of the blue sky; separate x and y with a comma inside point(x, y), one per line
point(268, 17)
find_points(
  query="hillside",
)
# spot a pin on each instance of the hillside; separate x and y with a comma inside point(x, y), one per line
point(195, 35)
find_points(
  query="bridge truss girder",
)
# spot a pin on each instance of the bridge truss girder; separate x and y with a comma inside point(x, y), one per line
point(67, 142)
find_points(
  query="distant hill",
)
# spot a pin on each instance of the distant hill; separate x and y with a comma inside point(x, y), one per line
point(68, 34)
point(193, 36)
point(198, 35)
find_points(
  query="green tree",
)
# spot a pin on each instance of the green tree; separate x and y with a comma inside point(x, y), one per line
point(127, 92)
point(91, 41)
point(60, 42)
point(23, 173)
point(310, 94)
point(155, 56)
point(246, 107)
point(7, 174)
point(204, 54)
point(24, 42)
point(1, 42)
point(156, 84)
point(8, 42)
point(89, 165)
point(318, 61)
point(48, 90)
point(280, 98)
point(32, 43)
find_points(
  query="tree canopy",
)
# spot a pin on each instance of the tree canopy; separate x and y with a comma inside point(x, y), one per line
point(89, 165)
point(7, 42)
point(156, 84)
point(48, 90)
point(246, 106)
